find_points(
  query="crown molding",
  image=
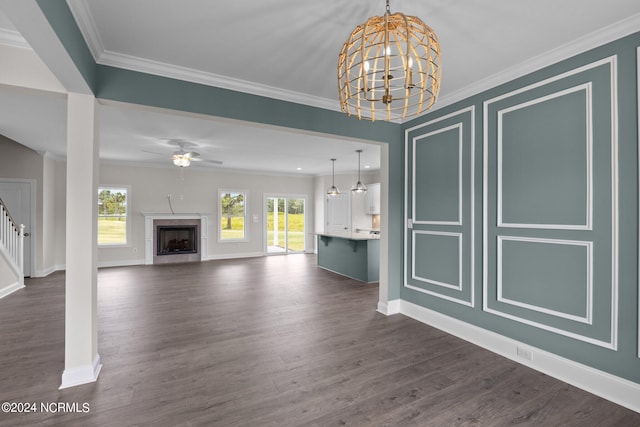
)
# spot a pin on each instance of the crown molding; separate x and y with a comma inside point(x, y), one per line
point(88, 28)
point(13, 38)
point(605, 35)
point(81, 13)
point(133, 63)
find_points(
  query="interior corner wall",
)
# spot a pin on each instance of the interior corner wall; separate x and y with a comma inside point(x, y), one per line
point(197, 192)
point(522, 210)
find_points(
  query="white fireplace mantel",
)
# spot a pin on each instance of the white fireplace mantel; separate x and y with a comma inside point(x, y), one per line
point(149, 231)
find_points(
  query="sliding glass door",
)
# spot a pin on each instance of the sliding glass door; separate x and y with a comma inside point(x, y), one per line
point(285, 224)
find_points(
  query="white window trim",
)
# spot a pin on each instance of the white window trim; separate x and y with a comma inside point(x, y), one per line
point(221, 192)
point(127, 217)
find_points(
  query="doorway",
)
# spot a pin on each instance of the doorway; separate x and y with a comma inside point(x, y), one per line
point(285, 219)
point(17, 196)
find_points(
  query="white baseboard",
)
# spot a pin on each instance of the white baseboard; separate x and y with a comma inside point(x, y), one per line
point(389, 308)
point(346, 275)
point(605, 385)
point(45, 272)
point(49, 270)
point(82, 374)
point(101, 264)
point(130, 262)
point(232, 256)
point(9, 289)
point(120, 263)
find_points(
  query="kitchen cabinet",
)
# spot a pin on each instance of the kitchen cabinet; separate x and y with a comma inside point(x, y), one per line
point(372, 199)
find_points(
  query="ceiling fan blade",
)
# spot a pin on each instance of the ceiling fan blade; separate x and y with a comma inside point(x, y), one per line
point(213, 162)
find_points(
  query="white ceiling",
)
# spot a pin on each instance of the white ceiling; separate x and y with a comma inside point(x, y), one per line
point(287, 49)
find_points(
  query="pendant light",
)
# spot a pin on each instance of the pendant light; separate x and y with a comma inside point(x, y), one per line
point(333, 190)
point(359, 187)
point(389, 68)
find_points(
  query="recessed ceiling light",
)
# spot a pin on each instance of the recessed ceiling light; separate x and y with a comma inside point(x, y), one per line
point(367, 166)
point(299, 169)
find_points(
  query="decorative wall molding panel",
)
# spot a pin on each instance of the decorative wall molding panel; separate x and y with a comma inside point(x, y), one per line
point(439, 207)
point(550, 204)
point(547, 269)
point(429, 264)
point(520, 173)
point(448, 172)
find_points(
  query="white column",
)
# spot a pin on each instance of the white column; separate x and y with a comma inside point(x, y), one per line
point(384, 305)
point(81, 360)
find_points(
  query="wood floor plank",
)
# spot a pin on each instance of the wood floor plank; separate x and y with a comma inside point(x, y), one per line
point(269, 341)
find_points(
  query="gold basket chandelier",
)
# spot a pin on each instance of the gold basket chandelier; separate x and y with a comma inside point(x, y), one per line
point(391, 64)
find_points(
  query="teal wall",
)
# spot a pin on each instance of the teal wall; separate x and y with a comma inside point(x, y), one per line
point(545, 250)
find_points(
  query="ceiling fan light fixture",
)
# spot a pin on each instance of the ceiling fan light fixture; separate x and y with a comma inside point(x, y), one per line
point(182, 161)
point(390, 65)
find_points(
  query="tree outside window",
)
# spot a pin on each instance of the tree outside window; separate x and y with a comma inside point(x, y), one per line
point(112, 216)
point(232, 216)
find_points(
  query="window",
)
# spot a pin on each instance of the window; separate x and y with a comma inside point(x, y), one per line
point(113, 215)
point(232, 216)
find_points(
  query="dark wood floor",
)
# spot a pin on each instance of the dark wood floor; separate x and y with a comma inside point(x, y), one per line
point(267, 342)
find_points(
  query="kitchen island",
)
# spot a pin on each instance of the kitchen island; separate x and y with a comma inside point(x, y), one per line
point(355, 255)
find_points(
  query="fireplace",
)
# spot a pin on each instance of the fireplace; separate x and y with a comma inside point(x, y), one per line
point(172, 240)
point(175, 239)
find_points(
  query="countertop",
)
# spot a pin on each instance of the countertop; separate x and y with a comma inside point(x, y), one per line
point(352, 236)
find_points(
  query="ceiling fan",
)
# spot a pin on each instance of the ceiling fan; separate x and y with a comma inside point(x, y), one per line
point(185, 155)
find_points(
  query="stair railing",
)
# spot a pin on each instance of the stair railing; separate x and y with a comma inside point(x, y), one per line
point(12, 238)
